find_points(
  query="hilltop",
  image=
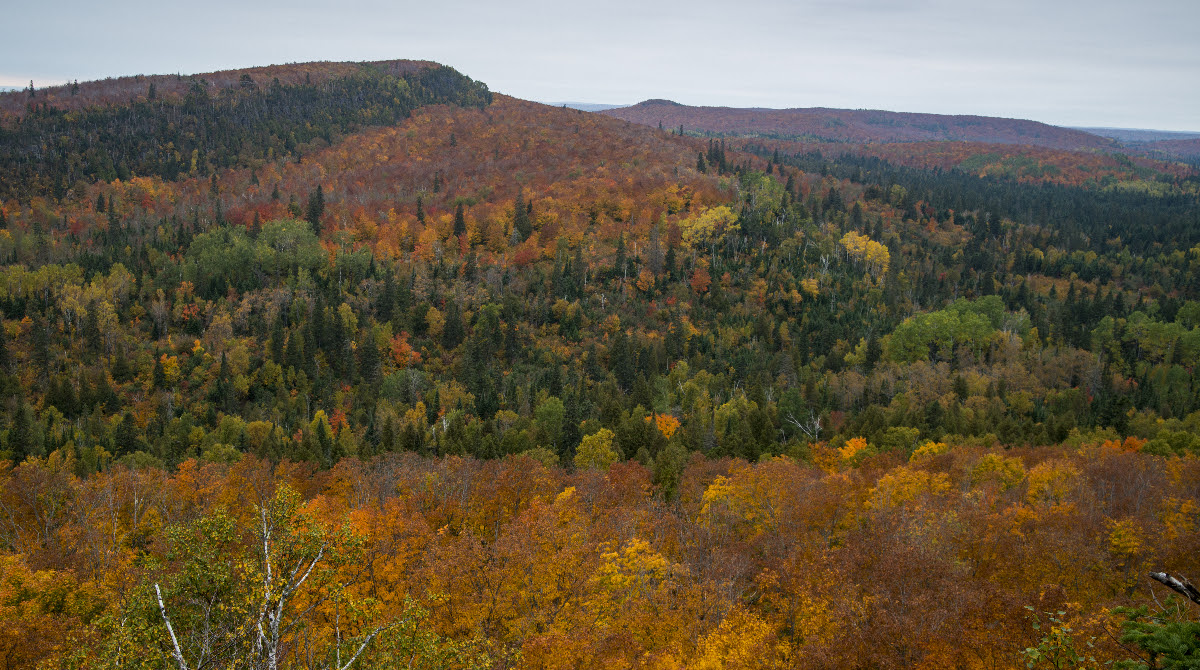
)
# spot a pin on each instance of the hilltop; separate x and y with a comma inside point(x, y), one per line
point(119, 91)
point(60, 140)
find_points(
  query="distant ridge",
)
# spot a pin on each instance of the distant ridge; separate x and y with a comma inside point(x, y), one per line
point(585, 106)
point(1140, 134)
point(845, 125)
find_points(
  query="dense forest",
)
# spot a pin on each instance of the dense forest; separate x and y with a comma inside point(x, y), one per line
point(378, 368)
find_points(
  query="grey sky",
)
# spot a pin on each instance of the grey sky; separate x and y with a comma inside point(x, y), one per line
point(1097, 63)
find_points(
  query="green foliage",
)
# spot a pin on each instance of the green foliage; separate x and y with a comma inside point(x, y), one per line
point(1170, 639)
point(1057, 647)
point(936, 335)
point(597, 451)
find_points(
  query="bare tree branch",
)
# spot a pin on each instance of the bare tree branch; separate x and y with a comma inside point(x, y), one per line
point(361, 647)
point(170, 629)
point(1179, 585)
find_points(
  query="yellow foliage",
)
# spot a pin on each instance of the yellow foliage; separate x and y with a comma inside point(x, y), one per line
point(1051, 481)
point(1124, 542)
point(854, 447)
point(709, 226)
point(597, 451)
point(904, 485)
point(928, 448)
point(743, 640)
point(170, 366)
point(435, 321)
point(666, 424)
point(751, 495)
point(645, 280)
point(1180, 518)
point(1007, 471)
point(866, 251)
point(632, 568)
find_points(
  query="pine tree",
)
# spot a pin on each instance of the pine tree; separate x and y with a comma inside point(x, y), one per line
point(41, 346)
point(620, 261)
point(453, 330)
point(159, 375)
point(20, 435)
point(316, 209)
point(460, 221)
point(622, 361)
point(125, 437)
point(223, 390)
point(369, 358)
point(522, 226)
point(5, 358)
point(385, 305)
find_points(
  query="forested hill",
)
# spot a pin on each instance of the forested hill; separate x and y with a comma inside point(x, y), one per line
point(56, 141)
point(118, 91)
point(848, 125)
point(526, 386)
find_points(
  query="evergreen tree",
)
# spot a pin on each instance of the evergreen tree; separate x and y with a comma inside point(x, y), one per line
point(316, 209)
point(622, 361)
point(125, 437)
point(369, 359)
point(522, 226)
point(278, 338)
point(620, 259)
point(460, 221)
point(20, 434)
point(5, 357)
point(159, 376)
point(385, 305)
point(453, 330)
point(41, 346)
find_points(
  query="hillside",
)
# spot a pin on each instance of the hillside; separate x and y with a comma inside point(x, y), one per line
point(1023, 163)
point(172, 127)
point(859, 126)
point(445, 378)
point(1187, 149)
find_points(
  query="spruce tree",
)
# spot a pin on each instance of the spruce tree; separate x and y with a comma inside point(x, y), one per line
point(460, 221)
point(316, 209)
point(369, 358)
point(20, 435)
point(522, 226)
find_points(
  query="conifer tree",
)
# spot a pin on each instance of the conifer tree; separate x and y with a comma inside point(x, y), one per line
point(316, 209)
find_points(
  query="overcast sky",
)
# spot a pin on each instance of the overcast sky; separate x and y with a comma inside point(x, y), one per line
point(1098, 63)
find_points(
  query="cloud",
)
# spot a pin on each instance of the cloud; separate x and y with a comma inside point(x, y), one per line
point(1104, 63)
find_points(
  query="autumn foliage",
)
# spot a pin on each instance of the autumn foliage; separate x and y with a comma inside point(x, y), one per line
point(509, 563)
